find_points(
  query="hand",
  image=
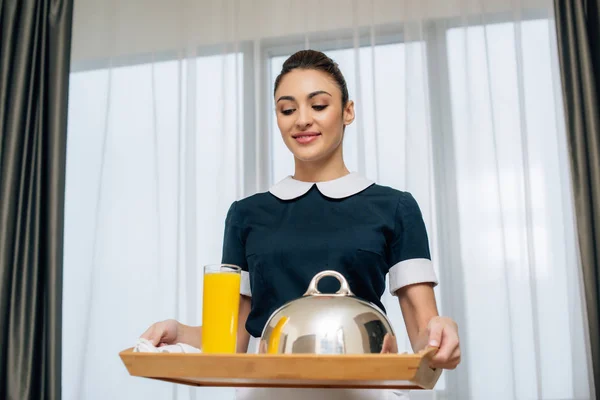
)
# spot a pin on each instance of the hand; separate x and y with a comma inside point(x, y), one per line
point(443, 333)
point(163, 333)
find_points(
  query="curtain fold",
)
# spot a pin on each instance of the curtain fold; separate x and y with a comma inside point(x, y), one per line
point(578, 34)
point(34, 74)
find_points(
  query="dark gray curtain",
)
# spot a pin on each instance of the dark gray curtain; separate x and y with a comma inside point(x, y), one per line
point(579, 52)
point(35, 41)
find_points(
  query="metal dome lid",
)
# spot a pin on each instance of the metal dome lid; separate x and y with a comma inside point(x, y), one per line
point(328, 323)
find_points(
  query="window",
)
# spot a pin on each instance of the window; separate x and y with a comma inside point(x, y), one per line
point(146, 195)
point(480, 115)
point(507, 144)
point(173, 139)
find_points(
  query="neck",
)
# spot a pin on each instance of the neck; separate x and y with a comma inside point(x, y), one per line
point(325, 169)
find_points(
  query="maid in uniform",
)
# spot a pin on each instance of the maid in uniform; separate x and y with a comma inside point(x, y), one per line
point(325, 218)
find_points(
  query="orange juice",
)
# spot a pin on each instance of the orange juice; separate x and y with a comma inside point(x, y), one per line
point(221, 302)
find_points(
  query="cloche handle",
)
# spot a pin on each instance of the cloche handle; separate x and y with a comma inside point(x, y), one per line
point(344, 287)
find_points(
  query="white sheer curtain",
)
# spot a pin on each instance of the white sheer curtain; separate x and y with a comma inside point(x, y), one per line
point(171, 119)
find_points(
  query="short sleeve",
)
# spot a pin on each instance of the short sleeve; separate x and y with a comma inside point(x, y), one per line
point(233, 247)
point(409, 255)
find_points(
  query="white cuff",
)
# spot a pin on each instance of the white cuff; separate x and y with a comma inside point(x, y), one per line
point(245, 284)
point(408, 272)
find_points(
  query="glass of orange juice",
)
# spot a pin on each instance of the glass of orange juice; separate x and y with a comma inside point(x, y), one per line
point(220, 306)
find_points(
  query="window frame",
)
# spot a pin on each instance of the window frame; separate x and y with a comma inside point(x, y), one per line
point(256, 124)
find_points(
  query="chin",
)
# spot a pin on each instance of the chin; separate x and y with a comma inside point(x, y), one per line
point(307, 154)
point(316, 152)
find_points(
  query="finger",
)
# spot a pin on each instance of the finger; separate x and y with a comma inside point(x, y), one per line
point(389, 344)
point(146, 335)
point(452, 363)
point(153, 335)
point(446, 349)
point(262, 347)
point(435, 334)
point(454, 359)
point(447, 353)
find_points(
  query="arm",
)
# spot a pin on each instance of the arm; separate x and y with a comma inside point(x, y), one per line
point(191, 335)
point(243, 337)
point(412, 279)
point(426, 328)
point(418, 306)
point(234, 252)
point(171, 331)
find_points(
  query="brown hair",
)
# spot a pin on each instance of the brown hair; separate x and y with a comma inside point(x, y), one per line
point(312, 59)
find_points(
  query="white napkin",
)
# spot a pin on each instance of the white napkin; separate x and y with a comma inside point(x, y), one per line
point(145, 346)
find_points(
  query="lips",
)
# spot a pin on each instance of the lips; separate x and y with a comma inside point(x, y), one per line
point(306, 137)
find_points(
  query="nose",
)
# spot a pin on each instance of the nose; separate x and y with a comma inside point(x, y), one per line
point(304, 118)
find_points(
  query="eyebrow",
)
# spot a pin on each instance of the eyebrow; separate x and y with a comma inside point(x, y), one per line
point(310, 96)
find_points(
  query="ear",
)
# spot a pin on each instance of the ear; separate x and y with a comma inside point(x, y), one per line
point(348, 114)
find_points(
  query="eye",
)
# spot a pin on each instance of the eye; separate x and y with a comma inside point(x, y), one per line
point(319, 107)
point(288, 111)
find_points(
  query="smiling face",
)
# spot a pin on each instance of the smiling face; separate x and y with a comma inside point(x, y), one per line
point(310, 114)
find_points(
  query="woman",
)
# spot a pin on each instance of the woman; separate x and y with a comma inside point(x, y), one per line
point(325, 217)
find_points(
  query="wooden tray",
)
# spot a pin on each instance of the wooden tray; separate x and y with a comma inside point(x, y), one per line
point(377, 371)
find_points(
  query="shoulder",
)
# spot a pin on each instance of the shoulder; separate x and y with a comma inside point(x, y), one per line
point(390, 193)
point(401, 201)
point(251, 203)
point(255, 199)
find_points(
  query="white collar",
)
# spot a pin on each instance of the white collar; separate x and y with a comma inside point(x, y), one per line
point(346, 186)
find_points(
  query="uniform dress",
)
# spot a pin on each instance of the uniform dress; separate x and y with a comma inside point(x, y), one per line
point(282, 238)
